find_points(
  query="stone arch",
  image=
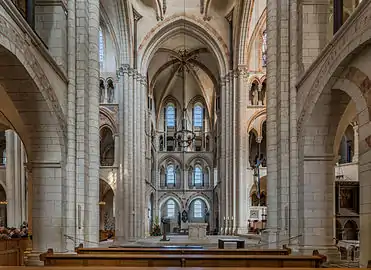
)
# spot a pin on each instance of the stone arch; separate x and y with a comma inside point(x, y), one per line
point(106, 119)
point(167, 196)
point(199, 196)
point(255, 116)
point(16, 48)
point(200, 157)
point(168, 158)
point(171, 26)
point(350, 230)
point(323, 98)
point(110, 183)
point(164, 102)
point(322, 74)
point(107, 146)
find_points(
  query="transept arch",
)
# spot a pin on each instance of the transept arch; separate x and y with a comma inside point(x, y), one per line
point(172, 26)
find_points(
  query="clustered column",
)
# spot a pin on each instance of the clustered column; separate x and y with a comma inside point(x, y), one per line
point(130, 198)
point(227, 166)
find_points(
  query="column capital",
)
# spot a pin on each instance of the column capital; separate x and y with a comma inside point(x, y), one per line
point(124, 69)
point(259, 139)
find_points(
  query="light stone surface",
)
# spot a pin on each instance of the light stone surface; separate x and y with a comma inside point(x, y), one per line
point(316, 86)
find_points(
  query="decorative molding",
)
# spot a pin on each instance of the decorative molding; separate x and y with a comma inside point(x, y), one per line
point(20, 44)
point(328, 157)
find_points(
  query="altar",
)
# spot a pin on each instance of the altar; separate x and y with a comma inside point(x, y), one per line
point(197, 231)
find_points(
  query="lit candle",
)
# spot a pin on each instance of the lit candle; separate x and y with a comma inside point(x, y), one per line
point(224, 218)
point(232, 218)
point(227, 218)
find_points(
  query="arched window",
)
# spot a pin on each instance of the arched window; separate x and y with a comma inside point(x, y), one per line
point(101, 47)
point(198, 176)
point(4, 157)
point(198, 116)
point(170, 175)
point(170, 115)
point(197, 209)
point(170, 208)
point(264, 48)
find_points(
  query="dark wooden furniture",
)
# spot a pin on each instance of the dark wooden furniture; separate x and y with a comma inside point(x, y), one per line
point(240, 243)
point(176, 260)
point(179, 251)
point(139, 268)
point(12, 251)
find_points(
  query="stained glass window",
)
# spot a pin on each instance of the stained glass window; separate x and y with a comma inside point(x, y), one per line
point(170, 208)
point(170, 175)
point(198, 175)
point(197, 209)
point(197, 116)
point(101, 47)
point(264, 49)
point(170, 115)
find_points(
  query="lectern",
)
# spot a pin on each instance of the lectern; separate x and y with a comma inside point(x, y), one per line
point(164, 221)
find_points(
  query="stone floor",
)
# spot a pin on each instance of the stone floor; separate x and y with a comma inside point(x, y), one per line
point(252, 241)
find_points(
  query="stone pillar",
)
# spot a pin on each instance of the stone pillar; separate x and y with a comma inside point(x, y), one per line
point(18, 167)
point(222, 162)
point(316, 212)
point(91, 231)
point(124, 194)
point(10, 178)
point(51, 26)
point(70, 213)
point(355, 143)
point(47, 215)
point(23, 184)
point(145, 151)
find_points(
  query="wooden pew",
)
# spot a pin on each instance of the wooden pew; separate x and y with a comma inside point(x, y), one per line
point(12, 251)
point(176, 260)
point(182, 251)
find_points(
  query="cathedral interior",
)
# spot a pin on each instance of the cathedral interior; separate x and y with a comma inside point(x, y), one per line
point(122, 120)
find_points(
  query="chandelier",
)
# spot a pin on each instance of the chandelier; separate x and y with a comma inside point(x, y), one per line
point(184, 137)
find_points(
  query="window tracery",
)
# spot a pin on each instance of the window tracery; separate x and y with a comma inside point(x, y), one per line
point(170, 207)
point(170, 115)
point(170, 175)
point(198, 176)
point(197, 209)
point(198, 116)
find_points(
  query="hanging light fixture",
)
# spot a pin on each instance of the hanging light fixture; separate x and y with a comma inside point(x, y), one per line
point(184, 137)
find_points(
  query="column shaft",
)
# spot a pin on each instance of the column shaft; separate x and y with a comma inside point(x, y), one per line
point(91, 231)
point(10, 177)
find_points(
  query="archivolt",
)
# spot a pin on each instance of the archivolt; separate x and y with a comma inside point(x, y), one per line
point(175, 24)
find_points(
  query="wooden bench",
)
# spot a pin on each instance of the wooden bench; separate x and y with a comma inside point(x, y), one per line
point(176, 260)
point(183, 251)
point(12, 251)
point(240, 243)
point(141, 268)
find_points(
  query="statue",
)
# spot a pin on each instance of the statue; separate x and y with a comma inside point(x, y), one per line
point(110, 91)
point(101, 91)
point(254, 92)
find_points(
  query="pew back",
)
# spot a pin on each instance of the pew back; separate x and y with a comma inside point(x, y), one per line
point(182, 251)
point(175, 260)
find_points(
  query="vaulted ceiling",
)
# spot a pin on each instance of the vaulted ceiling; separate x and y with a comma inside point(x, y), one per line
point(183, 67)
